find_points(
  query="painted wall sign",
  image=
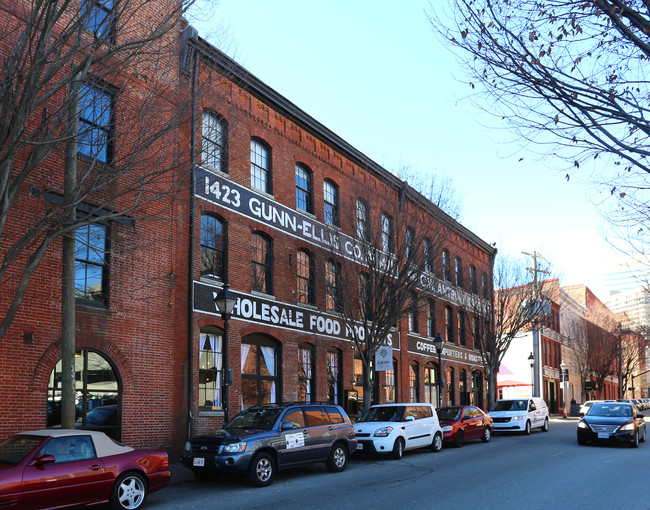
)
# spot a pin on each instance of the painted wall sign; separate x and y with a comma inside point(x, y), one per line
point(425, 346)
point(260, 310)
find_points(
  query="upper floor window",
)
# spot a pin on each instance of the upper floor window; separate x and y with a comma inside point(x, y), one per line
point(303, 189)
point(449, 324)
point(446, 266)
point(362, 220)
point(99, 18)
point(458, 265)
point(96, 123)
point(332, 286)
point(409, 241)
point(431, 319)
point(91, 266)
point(331, 203)
point(413, 315)
point(364, 294)
point(473, 280)
point(305, 277)
point(212, 148)
point(485, 287)
point(386, 233)
point(462, 340)
point(428, 262)
point(261, 263)
point(212, 247)
point(260, 167)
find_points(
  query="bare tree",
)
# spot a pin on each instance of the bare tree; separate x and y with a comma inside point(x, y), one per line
point(568, 76)
point(630, 353)
point(602, 352)
point(438, 189)
point(493, 329)
point(386, 272)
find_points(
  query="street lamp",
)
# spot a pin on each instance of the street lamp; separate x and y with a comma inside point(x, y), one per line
point(531, 360)
point(439, 342)
point(565, 386)
point(225, 302)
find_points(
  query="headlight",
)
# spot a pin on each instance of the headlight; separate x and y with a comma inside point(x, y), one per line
point(582, 425)
point(629, 426)
point(383, 432)
point(516, 418)
point(235, 447)
point(448, 428)
point(188, 446)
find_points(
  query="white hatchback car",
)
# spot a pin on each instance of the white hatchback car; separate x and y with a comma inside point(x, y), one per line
point(393, 428)
point(520, 414)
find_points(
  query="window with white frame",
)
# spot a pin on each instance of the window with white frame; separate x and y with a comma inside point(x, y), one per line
point(260, 167)
point(212, 146)
point(210, 368)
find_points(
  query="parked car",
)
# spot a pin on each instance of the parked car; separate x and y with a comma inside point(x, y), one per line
point(586, 406)
point(57, 468)
point(461, 423)
point(263, 439)
point(394, 428)
point(618, 422)
point(520, 414)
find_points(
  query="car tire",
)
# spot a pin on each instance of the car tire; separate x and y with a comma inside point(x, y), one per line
point(527, 429)
point(436, 443)
point(635, 440)
point(129, 492)
point(262, 470)
point(460, 439)
point(544, 428)
point(487, 435)
point(398, 448)
point(338, 459)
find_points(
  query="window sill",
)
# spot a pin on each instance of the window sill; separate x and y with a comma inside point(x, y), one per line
point(263, 294)
point(211, 412)
point(215, 171)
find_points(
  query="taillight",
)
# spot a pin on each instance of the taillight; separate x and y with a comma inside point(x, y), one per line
point(165, 463)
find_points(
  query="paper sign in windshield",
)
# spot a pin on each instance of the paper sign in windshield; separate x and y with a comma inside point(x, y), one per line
point(295, 440)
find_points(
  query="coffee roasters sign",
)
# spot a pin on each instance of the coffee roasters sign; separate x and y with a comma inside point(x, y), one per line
point(274, 313)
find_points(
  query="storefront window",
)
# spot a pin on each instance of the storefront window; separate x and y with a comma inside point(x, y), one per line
point(305, 373)
point(259, 372)
point(210, 369)
point(431, 384)
point(414, 383)
point(334, 376)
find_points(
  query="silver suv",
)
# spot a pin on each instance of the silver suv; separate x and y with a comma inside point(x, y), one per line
point(261, 440)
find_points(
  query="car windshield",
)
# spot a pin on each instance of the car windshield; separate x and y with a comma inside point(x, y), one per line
point(510, 405)
point(16, 448)
point(449, 413)
point(611, 410)
point(255, 418)
point(387, 413)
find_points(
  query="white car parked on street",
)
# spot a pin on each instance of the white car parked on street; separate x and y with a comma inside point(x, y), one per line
point(393, 428)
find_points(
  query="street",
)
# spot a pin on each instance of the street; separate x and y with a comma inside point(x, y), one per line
point(543, 470)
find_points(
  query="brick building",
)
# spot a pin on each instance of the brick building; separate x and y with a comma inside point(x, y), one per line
point(274, 201)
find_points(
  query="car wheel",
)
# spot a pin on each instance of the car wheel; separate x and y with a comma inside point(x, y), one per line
point(436, 444)
point(398, 448)
point(635, 440)
point(487, 435)
point(129, 491)
point(261, 472)
point(527, 429)
point(544, 427)
point(460, 439)
point(338, 459)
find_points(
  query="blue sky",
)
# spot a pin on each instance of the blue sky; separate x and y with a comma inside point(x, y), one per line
point(374, 73)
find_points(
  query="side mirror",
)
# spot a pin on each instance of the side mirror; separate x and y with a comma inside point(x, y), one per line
point(286, 425)
point(640, 416)
point(44, 459)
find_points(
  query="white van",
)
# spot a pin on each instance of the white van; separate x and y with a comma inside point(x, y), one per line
point(520, 414)
point(393, 428)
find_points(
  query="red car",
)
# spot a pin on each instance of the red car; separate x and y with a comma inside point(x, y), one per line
point(57, 468)
point(460, 423)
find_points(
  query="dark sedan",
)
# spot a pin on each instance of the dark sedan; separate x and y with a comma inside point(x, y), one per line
point(460, 423)
point(58, 468)
point(613, 422)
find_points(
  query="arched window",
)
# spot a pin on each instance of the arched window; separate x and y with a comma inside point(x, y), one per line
point(259, 369)
point(362, 220)
point(210, 368)
point(334, 377)
point(451, 386)
point(413, 318)
point(260, 167)
point(427, 255)
point(462, 338)
point(473, 280)
point(462, 388)
point(431, 319)
point(387, 233)
point(306, 375)
point(449, 324)
point(212, 247)
point(332, 285)
point(414, 381)
point(304, 191)
point(262, 261)
point(330, 203)
point(485, 287)
point(98, 394)
point(431, 384)
point(213, 143)
point(409, 240)
point(446, 266)
point(458, 264)
point(305, 277)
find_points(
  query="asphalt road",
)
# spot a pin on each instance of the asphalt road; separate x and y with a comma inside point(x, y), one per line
point(543, 470)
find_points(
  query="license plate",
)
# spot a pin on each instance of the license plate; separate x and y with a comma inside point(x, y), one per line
point(359, 446)
point(603, 435)
point(198, 461)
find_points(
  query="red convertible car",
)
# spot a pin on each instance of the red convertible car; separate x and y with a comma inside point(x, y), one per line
point(57, 468)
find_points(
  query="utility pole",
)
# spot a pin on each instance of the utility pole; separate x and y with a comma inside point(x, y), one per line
point(536, 309)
